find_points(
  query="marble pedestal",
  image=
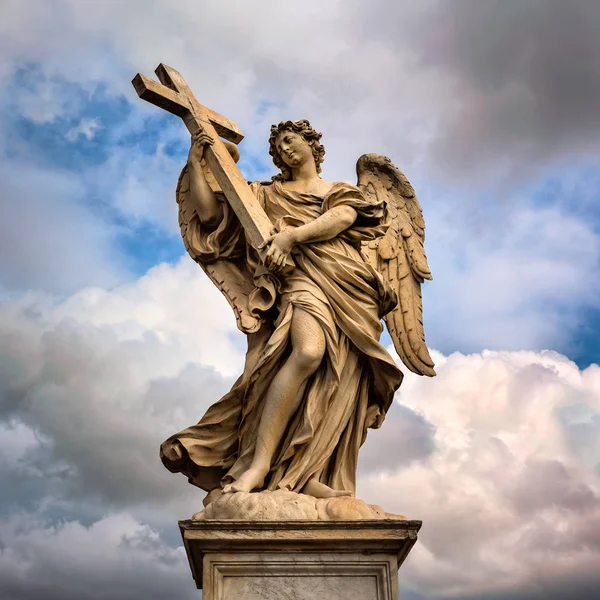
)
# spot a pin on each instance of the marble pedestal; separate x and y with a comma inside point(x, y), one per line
point(298, 560)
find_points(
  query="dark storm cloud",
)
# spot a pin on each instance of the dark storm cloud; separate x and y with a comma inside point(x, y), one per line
point(105, 439)
point(116, 558)
point(545, 588)
point(96, 406)
point(522, 78)
point(405, 438)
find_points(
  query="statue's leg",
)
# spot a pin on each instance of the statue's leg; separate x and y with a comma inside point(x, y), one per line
point(284, 396)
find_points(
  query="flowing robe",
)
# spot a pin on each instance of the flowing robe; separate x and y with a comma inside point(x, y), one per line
point(354, 385)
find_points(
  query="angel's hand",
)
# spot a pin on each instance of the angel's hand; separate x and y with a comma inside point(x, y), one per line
point(281, 244)
point(200, 139)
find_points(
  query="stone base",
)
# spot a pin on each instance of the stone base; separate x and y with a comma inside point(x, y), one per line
point(282, 505)
point(299, 560)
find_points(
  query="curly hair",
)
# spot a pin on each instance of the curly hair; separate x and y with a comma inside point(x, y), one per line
point(304, 128)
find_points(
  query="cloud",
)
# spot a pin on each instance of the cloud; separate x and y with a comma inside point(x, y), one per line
point(85, 200)
point(479, 93)
point(86, 128)
point(520, 81)
point(50, 240)
point(116, 557)
point(521, 283)
point(490, 108)
point(102, 378)
point(509, 498)
point(140, 186)
point(498, 454)
point(437, 99)
point(406, 439)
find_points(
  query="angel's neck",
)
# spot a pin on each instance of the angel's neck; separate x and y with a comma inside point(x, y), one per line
point(305, 172)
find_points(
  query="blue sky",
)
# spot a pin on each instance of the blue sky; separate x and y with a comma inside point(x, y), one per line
point(113, 339)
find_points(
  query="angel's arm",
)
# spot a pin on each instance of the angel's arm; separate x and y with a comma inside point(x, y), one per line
point(208, 208)
point(329, 225)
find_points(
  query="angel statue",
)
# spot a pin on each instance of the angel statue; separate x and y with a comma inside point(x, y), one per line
point(316, 376)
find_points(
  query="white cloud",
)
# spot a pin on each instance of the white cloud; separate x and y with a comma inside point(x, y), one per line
point(177, 304)
point(103, 377)
point(50, 239)
point(498, 454)
point(17, 440)
point(509, 497)
point(141, 186)
point(520, 282)
point(45, 102)
point(506, 274)
point(86, 128)
point(115, 557)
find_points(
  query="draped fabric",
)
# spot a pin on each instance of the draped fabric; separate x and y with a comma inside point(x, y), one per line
point(354, 385)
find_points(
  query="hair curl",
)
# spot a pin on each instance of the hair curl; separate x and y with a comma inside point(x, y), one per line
point(304, 128)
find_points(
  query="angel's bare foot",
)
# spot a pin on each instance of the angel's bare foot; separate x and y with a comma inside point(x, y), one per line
point(320, 490)
point(251, 479)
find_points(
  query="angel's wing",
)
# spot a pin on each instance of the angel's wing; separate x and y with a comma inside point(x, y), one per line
point(230, 276)
point(399, 256)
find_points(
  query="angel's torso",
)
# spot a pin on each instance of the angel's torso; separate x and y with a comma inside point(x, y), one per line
point(287, 207)
point(316, 187)
point(290, 207)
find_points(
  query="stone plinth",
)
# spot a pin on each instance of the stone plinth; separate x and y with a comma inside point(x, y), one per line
point(298, 560)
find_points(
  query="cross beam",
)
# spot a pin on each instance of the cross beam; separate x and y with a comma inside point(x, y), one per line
point(174, 95)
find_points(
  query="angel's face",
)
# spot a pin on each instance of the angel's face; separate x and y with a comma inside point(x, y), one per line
point(293, 148)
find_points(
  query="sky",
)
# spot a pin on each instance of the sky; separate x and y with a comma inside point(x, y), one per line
point(112, 339)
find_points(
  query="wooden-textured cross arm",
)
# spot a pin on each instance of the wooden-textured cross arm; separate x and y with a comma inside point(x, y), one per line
point(174, 95)
point(164, 97)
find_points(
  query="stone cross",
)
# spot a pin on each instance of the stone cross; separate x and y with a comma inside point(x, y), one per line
point(173, 94)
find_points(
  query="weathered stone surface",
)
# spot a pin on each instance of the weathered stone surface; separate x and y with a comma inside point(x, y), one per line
point(308, 389)
point(285, 255)
point(300, 560)
point(282, 505)
point(270, 576)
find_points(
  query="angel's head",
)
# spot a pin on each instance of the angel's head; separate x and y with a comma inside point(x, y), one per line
point(293, 142)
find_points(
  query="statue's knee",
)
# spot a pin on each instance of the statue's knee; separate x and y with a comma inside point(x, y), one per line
point(309, 357)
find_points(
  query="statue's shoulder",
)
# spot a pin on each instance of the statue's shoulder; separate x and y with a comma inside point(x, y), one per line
point(348, 184)
point(260, 183)
point(343, 187)
point(261, 189)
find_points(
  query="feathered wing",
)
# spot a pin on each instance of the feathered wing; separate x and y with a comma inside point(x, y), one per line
point(231, 276)
point(399, 256)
